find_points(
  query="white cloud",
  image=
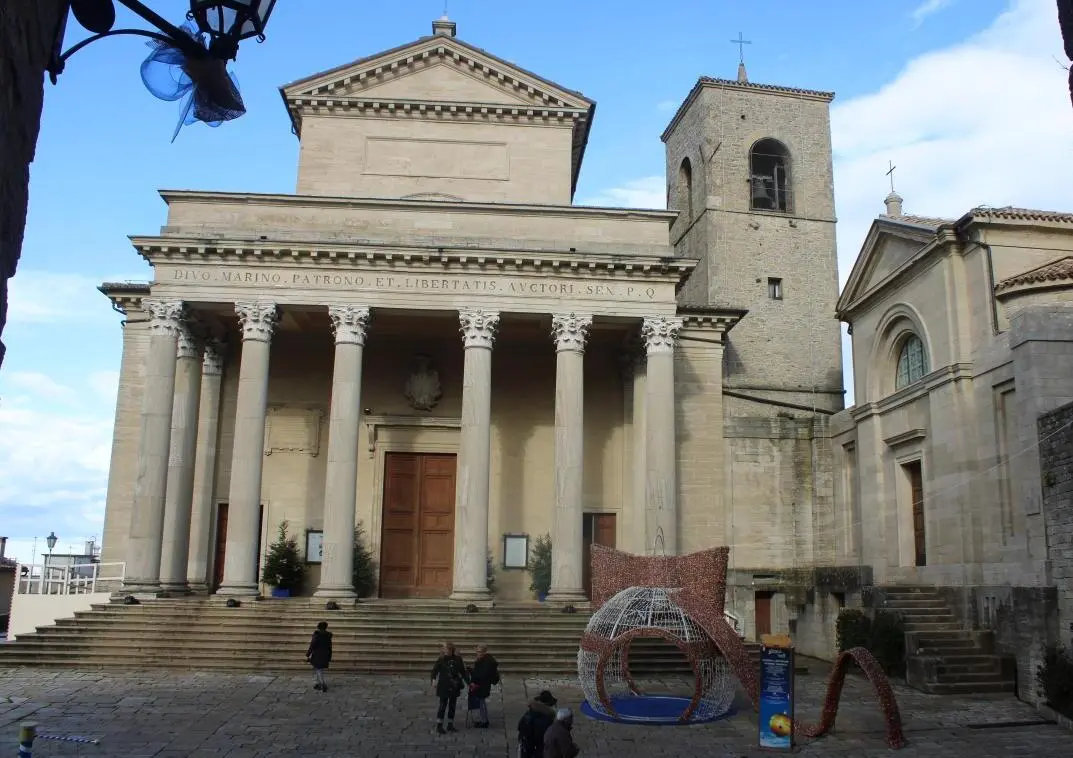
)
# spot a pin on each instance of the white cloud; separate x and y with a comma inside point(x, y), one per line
point(983, 122)
point(55, 457)
point(928, 8)
point(647, 192)
point(45, 297)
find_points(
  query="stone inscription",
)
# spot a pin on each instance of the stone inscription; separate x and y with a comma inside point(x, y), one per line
point(335, 281)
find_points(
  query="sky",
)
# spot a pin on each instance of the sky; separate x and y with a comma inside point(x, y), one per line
point(967, 98)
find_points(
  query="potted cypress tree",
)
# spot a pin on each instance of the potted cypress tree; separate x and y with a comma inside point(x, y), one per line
point(283, 569)
point(540, 567)
point(364, 571)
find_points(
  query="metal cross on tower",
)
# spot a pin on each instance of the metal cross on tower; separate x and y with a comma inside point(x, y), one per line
point(890, 173)
point(741, 43)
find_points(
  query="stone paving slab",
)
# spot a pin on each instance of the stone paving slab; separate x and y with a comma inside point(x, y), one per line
point(173, 715)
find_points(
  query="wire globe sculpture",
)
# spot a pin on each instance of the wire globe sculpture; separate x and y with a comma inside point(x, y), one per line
point(604, 661)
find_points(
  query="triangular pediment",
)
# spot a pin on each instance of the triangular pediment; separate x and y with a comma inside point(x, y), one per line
point(437, 69)
point(889, 247)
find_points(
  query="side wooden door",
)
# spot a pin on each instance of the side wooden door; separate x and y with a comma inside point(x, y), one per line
point(598, 529)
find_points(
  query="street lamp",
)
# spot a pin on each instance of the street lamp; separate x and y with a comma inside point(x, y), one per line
point(224, 22)
point(52, 539)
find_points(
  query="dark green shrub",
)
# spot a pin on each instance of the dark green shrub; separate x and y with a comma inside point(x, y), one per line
point(363, 574)
point(854, 629)
point(540, 565)
point(1055, 679)
point(284, 567)
point(887, 642)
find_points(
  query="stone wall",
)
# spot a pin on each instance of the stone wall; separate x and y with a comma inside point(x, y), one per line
point(1056, 472)
point(27, 30)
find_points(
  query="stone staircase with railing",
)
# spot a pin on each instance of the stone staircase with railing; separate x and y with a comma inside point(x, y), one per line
point(271, 635)
point(942, 657)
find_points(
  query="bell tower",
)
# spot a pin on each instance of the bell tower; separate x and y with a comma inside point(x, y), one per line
point(749, 170)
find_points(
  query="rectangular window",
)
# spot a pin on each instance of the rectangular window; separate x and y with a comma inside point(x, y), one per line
point(774, 288)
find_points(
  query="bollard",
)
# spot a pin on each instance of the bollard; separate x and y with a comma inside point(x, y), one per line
point(27, 732)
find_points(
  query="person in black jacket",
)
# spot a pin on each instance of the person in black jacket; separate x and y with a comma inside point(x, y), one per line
point(484, 674)
point(449, 677)
point(533, 724)
point(319, 655)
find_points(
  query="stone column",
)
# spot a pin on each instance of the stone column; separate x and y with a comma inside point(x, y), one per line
point(142, 571)
point(638, 469)
point(180, 489)
point(340, 489)
point(241, 551)
point(660, 334)
point(470, 580)
point(570, 332)
point(204, 498)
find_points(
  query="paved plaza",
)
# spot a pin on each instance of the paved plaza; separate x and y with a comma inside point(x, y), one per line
point(168, 715)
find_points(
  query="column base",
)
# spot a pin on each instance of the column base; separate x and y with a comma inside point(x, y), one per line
point(567, 597)
point(176, 589)
point(137, 588)
point(471, 595)
point(238, 590)
point(199, 588)
point(329, 592)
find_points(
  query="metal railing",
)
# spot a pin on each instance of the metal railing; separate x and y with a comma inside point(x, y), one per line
point(76, 579)
point(736, 622)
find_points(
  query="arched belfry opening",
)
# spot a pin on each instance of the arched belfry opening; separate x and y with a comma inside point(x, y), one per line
point(769, 171)
point(685, 188)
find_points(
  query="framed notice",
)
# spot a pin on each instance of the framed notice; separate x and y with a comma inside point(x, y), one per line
point(314, 545)
point(776, 692)
point(515, 551)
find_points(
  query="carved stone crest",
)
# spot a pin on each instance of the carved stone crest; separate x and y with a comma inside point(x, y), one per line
point(423, 388)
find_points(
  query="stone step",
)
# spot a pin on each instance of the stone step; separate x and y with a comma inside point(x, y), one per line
point(266, 625)
point(931, 626)
point(989, 668)
point(972, 688)
point(940, 614)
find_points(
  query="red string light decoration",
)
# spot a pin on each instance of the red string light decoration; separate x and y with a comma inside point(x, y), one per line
point(697, 585)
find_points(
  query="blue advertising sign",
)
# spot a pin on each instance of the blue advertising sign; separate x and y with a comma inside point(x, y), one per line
point(777, 697)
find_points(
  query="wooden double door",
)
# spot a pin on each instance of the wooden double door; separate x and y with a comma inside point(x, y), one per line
point(597, 529)
point(418, 536)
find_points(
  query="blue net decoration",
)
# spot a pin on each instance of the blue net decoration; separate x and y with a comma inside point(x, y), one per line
point(210, 90)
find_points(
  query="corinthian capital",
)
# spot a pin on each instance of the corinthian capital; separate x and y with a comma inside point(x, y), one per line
point(570, 331)
point(478, 327)
point(187, 346)
point(213, 363)
point(257, 320)
point(165, 315)
point(660, 334)
point(349, 323)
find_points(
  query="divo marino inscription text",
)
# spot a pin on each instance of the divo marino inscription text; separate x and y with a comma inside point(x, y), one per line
point(492, 285)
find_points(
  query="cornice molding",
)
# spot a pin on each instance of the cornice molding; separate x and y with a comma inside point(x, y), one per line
point(438, 206)
point(189, 250)
point(439, 110)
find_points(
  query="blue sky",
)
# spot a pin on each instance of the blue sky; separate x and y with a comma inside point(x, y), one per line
point(959, 93)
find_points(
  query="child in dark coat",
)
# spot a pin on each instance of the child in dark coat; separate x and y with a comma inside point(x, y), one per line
point(319, 655)
point(449, 677)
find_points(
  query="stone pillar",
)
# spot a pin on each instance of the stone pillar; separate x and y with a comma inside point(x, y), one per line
point(204, 497)
point(180, 489)
point(570, 332)
point(660, 334)
point(241, 551)
point(638, 470)
point(142, 571)
point(340, 489)
point(470, 581)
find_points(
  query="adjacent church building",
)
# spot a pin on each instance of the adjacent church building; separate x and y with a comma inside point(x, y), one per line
point(430, 340)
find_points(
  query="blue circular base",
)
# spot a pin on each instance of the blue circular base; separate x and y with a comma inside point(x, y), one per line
point(654, 710)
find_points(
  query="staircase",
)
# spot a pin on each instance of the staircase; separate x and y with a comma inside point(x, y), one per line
point(272, 635)
point(941, 656)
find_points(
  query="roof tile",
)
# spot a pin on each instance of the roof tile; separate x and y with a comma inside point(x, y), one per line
point(1049, 272)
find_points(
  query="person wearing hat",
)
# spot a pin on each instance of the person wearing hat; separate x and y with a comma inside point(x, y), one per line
point(533, 723)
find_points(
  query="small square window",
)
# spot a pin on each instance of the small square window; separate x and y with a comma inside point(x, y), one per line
point(774, 288)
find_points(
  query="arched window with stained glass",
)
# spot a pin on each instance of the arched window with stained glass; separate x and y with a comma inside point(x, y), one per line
point(912, 362)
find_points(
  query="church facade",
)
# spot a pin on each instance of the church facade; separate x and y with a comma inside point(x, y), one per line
point(429, 340)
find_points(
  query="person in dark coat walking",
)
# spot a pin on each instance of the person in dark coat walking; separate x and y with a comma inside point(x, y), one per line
point(558, 742)
point(533, 724)
point(449, 678)
point(319, 655)
point(483, 675)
